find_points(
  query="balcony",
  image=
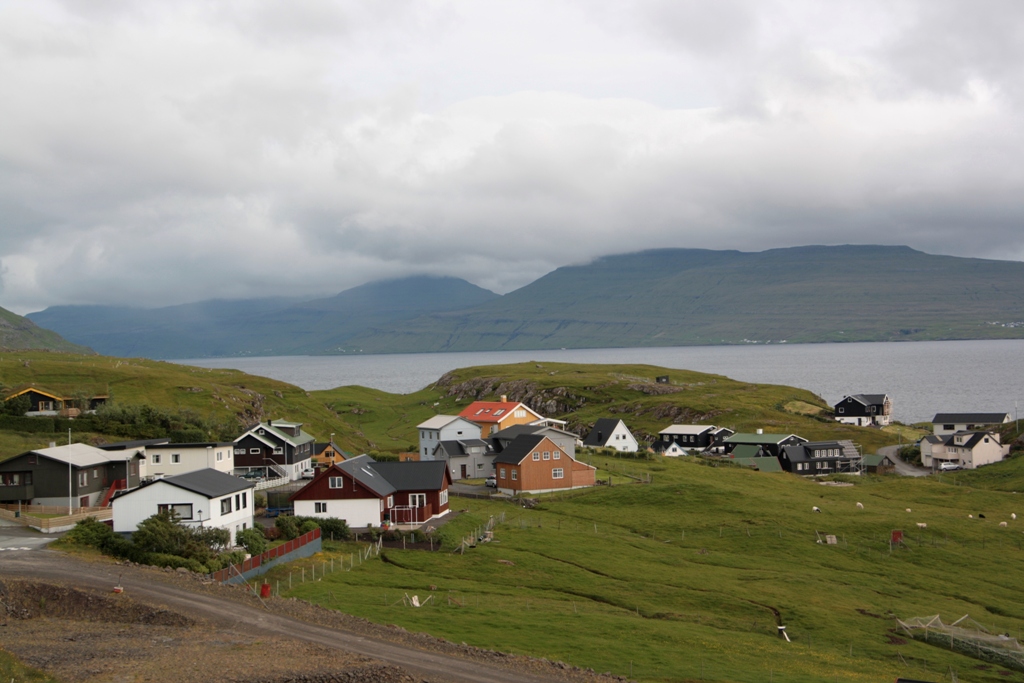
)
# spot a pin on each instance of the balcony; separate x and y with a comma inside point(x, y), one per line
point(404, 514)
point(16, 493)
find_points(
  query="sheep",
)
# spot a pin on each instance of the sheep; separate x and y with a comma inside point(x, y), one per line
point(860, 505)
point(1013, 515)
point(922, 525)
point(816, 508)
point(981, 515)
point(1002, 523)
point(970, 516)
point(908, 509)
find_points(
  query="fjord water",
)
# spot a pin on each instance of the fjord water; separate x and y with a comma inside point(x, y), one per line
point(922, 378)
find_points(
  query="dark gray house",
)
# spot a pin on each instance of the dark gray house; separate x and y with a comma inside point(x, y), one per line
point(820, 457)
point(275, 446)
point(690, 438)
point(864, 410)
point(81, 474)
point(759, 445)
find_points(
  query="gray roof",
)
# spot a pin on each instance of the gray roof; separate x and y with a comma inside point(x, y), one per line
point(462, 446)
point(78, 455)
point(208, 482)
point(867, 399)
point(971, 418)
point(520, 447)
point(803, 451)
point(427, 475)
point(126, 445)
point(602, 431)
point(361, 469)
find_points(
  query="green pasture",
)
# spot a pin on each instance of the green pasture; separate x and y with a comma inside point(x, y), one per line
point(682, 578)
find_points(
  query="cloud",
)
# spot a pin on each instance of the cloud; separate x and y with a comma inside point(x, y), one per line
point(161, 153)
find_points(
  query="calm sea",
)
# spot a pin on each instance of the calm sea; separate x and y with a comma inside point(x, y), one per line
point(922, 378)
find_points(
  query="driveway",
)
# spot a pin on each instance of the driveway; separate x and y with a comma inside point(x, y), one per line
point(903, 468)
point(18, 538)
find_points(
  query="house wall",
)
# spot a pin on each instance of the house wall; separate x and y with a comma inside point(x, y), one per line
point(456, 430)
point(477, 465)
point(357, 512)
point(687, 441)
point(536, 476)
point(986, 452)
point(191, 458)
point(50, 480)
point(946, 429)
point(134, 507)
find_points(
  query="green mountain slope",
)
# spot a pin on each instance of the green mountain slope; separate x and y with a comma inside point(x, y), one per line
point(690, 296)
point(17, 332)
point(258, 326)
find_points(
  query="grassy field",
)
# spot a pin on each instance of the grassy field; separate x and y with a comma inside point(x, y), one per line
point(682, 579)
point(367, 419)
point(13, 670)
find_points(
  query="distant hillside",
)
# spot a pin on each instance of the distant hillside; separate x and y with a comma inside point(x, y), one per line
point(263, 327)
point(690, 296)
point(17, 332)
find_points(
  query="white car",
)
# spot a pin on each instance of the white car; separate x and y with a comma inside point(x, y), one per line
point(492, 481)
point(950, 466)
point(308, 473)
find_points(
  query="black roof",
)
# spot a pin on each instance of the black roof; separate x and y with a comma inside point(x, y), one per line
point(427, 475)
point(969, 443)
point(510, 433)
point(125, 445)
point(208, 482)
point(803, 451)
point(520, 447)
point(970, 418)
point(867, 399)
point(601, 432)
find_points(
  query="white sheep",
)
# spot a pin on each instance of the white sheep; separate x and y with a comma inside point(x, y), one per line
point(816, 508)
point(860, 505)
point(1013, 515)
point(922, 525)
point(970, 516)
point(1002, 523)
point(908, 509)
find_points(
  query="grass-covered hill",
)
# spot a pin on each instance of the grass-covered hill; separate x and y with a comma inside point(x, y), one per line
point(17, 332)
point(687, 578)
point(367, 419)
point(675, 297)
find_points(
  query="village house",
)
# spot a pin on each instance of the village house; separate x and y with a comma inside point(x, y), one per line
point(493, 416)
point(611, 433)
point(205, 498)
point(813, 458)
point(168, 459)
point(366, 493)
point(566, 441)
point(878, 464)
point(864, 410)
point(944, 424)
point(326, 454)
point(467, 458)
point(276, 446)
point(677, 440)
point(969, 450)
point(759, 444)
point(533, 463)
point(76, 475)
point(444, 428)
point(45, 403)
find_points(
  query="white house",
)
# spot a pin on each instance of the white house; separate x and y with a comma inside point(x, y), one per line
point(950, 423)
point(444, 428)
point(611, 433)
point(205, 498)
point(970, 450)
point(169, 459)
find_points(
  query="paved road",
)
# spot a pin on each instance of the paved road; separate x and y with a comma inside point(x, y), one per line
point(148, 587)
point(902, 467)
point(17, 538)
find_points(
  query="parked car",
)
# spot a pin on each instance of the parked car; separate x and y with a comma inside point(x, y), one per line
point(950, 466)
point(308, 473)
point(492, 481)
point(253, 475)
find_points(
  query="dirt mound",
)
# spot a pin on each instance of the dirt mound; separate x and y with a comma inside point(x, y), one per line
point(34, 600)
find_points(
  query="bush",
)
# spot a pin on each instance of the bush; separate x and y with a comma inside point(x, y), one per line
point(334, 528)
point(90, 533)
point(288, 526)
point(252, 540)
point(271, 533)
point(259, 499)
point(307, 526)
point(174, 561)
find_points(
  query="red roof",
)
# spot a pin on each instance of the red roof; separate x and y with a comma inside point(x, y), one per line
point(489, 411)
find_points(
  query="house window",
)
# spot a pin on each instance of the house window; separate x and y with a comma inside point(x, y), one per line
point(557, 473)
point(519, 413)
point(479, 465)
point(220, 455)
point(245, 499)
point(948, 427)
point(239, 451)
point(278, 450)
point(443, 497)
point(336, 482)
point(842, 410)
point(181, 510)
point(238, 501)
point(515, 474)
point(175, 458)
point(254, 451)
point(391, 502)
point(225, 506)
point(547, 455)
point(320, 507)
point(95, 475)
point(536, 455)
point(418, 500)
point(83, 478)
point(501, 473)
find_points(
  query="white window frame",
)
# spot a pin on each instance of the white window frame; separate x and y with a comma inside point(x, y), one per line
point(220, 455)
point(225, 506)
point(239, 451)
point(443, 497)
point(501, 473)
point(175, 458)
point(255, 451)
point(557, 473)
point(156, 458)
point(319, 507)
point(557, 455)
point(390, 502)
point(336, 482)
point(547, 455)
point(278, 450)
point(536, 455)
point(515, 475)
point(177, 508)
point(420, 498)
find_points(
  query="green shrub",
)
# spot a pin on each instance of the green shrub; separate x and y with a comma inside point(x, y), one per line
point(174, 561)
point(287, 526)
point(35, 425)
point(259, 499)
point(307, 526)
point(90, 533)
point(252, 540)
point(334, 528)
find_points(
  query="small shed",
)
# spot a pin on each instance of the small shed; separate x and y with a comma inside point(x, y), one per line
point(878, 464)
point(661, 379)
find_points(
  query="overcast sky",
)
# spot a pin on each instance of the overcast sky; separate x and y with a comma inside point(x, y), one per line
point(165, 152)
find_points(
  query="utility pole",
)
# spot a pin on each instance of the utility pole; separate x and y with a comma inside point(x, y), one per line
point(69, 472)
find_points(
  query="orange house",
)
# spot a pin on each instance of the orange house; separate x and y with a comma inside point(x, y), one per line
point(493, 416)
point(535, 464)
point(327, 454)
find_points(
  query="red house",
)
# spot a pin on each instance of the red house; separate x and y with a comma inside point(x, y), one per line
point(533, 463)
point(365, 492)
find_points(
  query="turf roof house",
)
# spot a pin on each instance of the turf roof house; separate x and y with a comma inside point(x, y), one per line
point(677, 440)
point(533, 463)
point(276, 445)
point(864, 410)
point(949, 423)
point(43, 402)
point(611, 433)
point(366, 493)
point(813, 458)
point(970, 450)
point(444, 428)
point(203, 498)
point(493, 416)
point(759, 445)
point(41, 477)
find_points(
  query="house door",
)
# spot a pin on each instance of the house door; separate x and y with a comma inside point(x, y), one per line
point(83, 501)
point(464, 474)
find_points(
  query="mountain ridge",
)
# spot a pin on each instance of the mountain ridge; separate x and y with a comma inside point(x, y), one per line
point(20, 333)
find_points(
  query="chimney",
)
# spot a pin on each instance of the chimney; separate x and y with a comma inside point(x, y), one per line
point(760, 431)
point(504, 398)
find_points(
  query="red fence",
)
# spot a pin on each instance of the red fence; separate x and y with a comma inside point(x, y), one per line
point(258, 561)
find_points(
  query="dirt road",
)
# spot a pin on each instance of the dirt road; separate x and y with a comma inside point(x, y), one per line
point(230, 609)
